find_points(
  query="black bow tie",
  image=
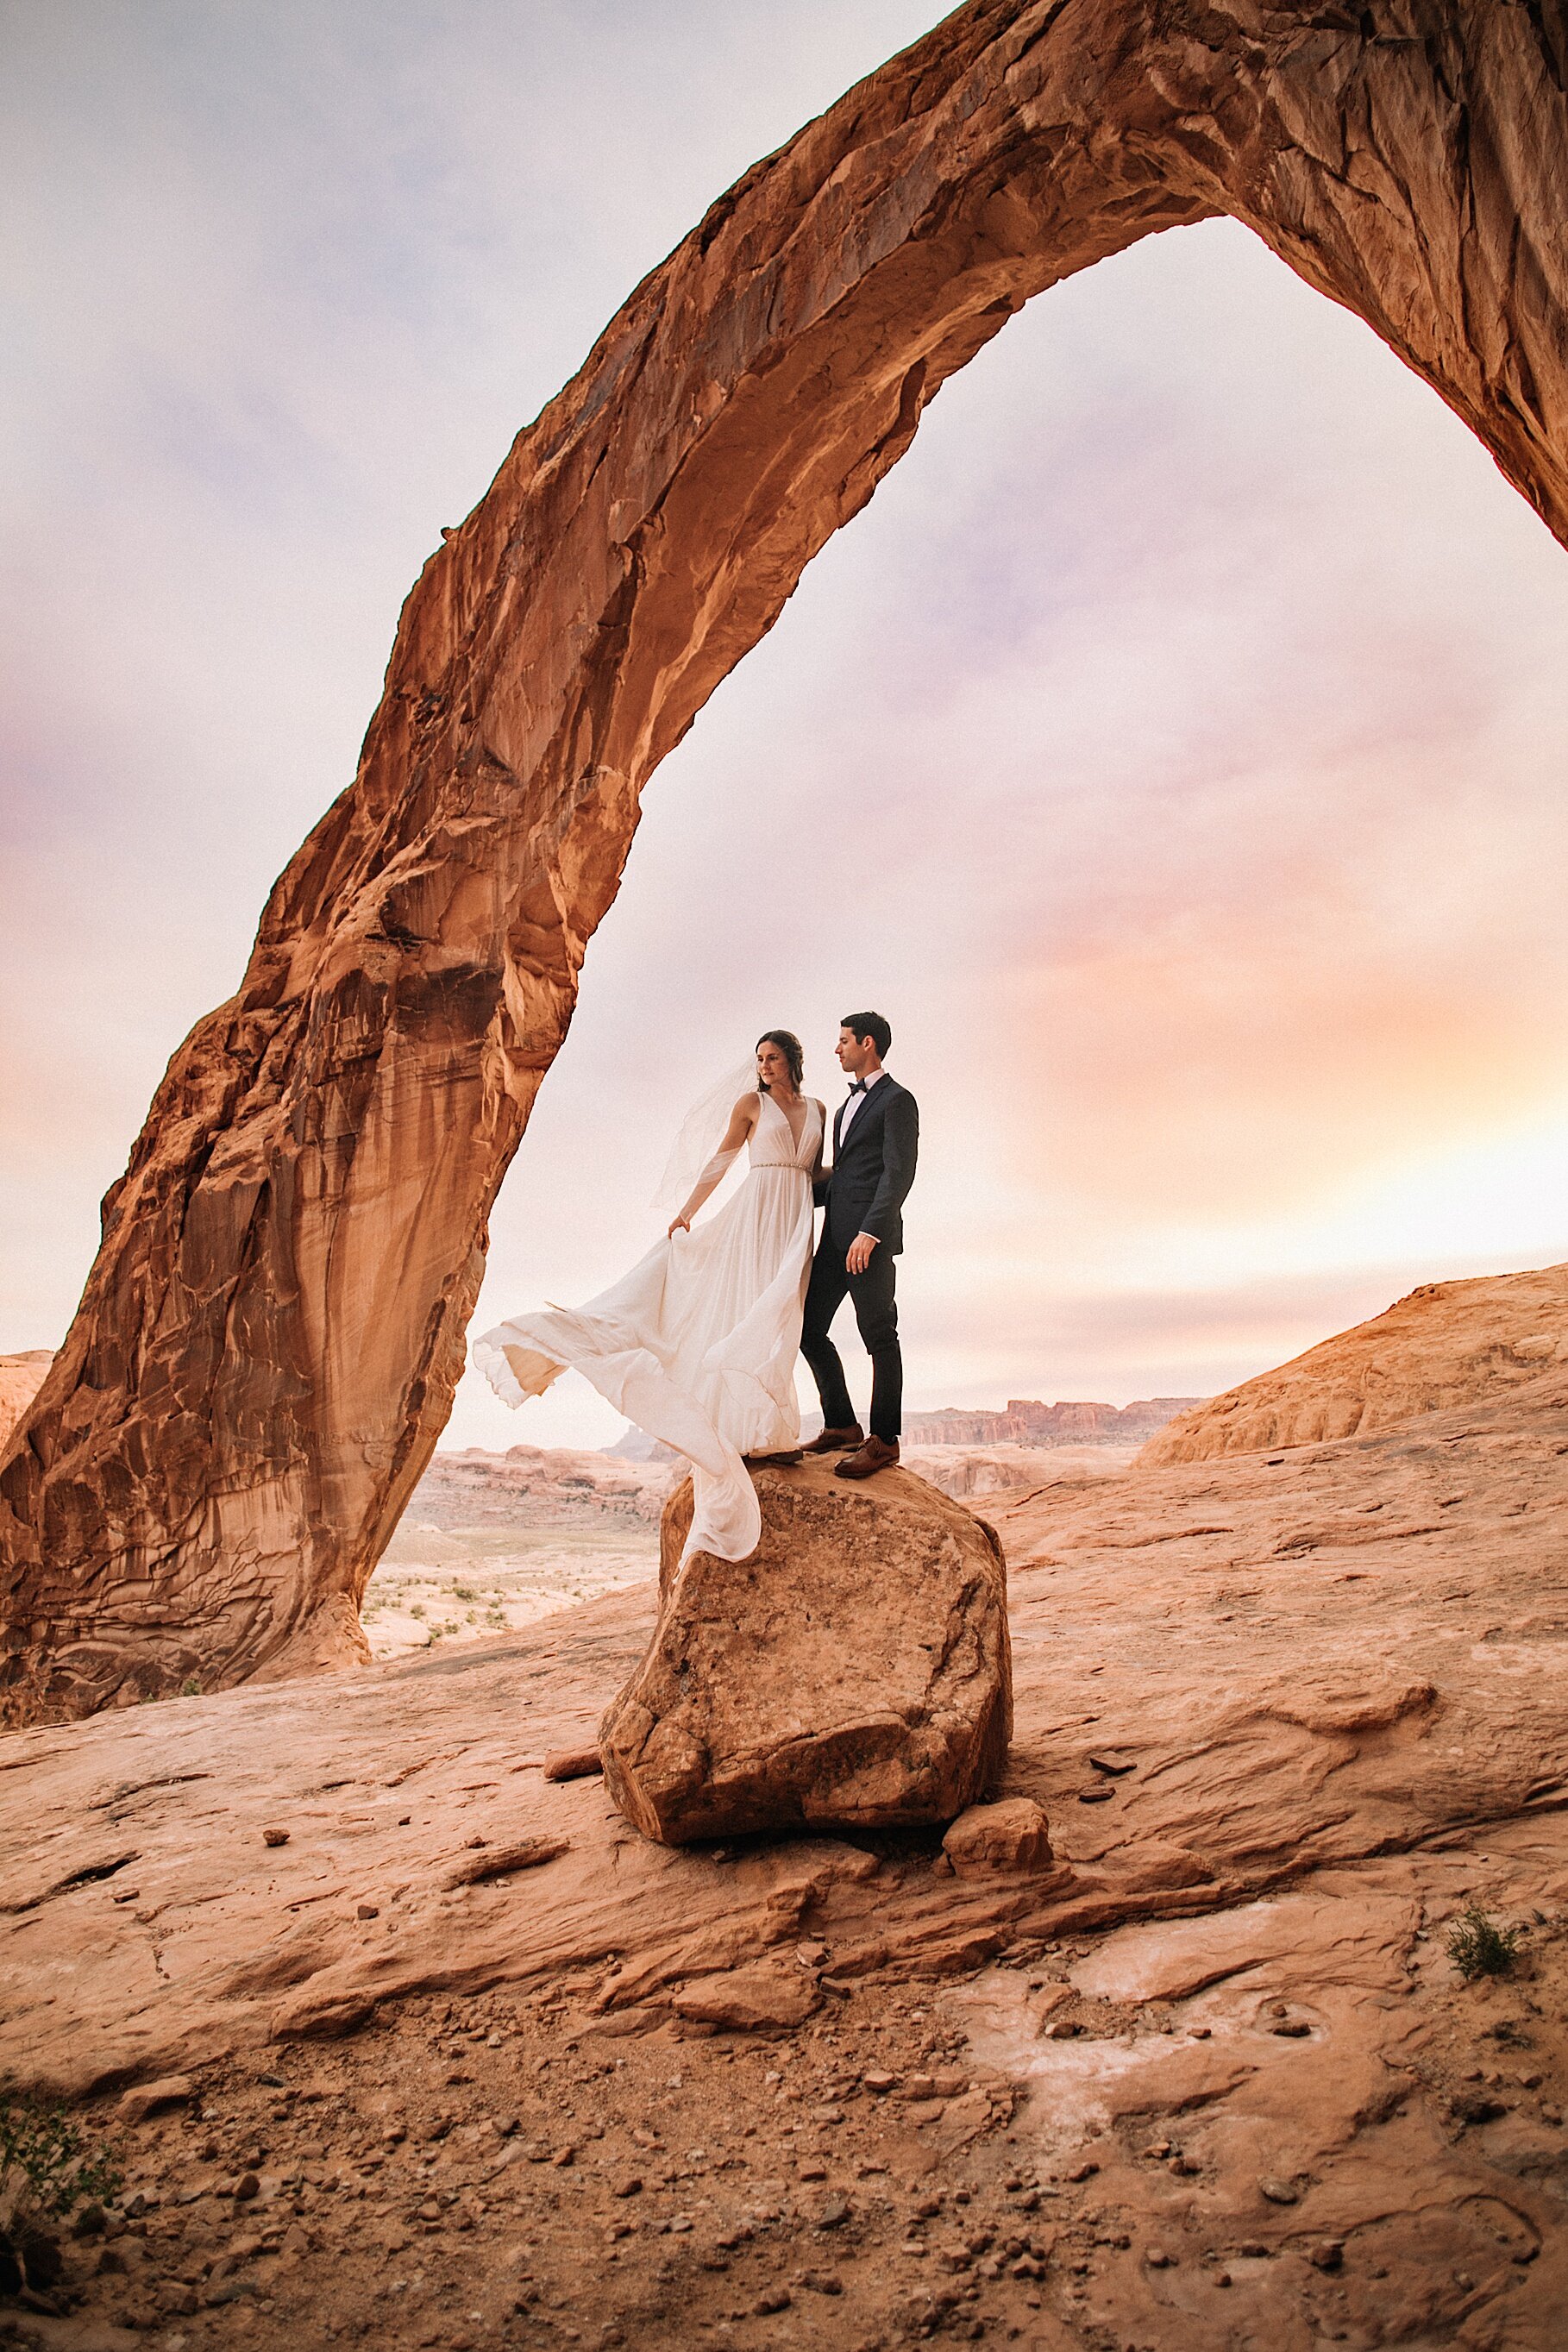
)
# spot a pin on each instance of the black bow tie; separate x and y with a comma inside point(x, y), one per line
point(856, 1086)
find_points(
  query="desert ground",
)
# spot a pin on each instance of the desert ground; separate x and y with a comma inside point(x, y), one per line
point(401, 2041)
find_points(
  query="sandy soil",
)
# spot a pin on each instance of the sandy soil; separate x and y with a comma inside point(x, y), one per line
point(463, 1584)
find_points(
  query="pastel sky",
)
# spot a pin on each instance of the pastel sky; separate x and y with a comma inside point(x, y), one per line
point(1174, 749)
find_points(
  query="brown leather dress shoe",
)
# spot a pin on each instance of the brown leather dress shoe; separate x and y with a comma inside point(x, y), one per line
point(874, 1456)
point(838, 1441)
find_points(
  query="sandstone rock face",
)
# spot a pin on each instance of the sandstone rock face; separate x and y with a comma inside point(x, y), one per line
point(267, 1347)
point(854, 1672)
point(1448, 1343)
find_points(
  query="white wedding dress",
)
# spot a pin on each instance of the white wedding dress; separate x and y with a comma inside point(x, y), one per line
point(697, 1344)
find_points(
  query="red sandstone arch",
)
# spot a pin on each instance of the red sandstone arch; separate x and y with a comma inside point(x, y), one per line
point(267, 1344)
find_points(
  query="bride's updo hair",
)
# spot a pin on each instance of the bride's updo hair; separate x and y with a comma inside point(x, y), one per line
point(788, 1045)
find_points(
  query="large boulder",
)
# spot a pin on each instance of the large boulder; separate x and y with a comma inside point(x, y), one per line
point(853, 1672)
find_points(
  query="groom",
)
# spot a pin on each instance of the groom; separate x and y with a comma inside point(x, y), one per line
point(876, 1134)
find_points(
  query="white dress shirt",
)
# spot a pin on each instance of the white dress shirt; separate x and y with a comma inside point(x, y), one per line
point(852, 1108)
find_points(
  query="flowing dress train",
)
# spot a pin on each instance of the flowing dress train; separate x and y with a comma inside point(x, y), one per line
point(697, 1343)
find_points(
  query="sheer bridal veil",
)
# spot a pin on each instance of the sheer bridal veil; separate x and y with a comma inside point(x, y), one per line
point(701, 1132)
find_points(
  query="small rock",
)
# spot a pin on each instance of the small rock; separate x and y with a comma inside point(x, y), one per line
point(1011, 1835)
point(812, 2172)
point(880, 2083)
point(89, 2221)
point(1159, 2260)
point(630, 2186)
point(1291, 2028)
point(144, 2099)
point(246, 2186)
point(564, 2157)
point(500, 1861)
point(1476, 2107)
point(776, 2299)
point(1083, 2172)
point(822, 2282)
point(367, 1911)
point(832, 2214)
point(1278, 2192)
point(274, 1837)
point(574, 1764)
point(1252, 2250)
point(1328, 2254)
point(748, 2001)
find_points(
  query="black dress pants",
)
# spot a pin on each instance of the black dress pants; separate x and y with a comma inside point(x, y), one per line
point(877, 1313)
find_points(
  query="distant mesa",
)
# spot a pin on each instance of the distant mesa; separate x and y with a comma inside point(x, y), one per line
point(542, 1486)
point(1026, 1422)
point(1445, 1344)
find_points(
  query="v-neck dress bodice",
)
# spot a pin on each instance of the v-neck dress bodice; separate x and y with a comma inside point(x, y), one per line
point(697, 1344)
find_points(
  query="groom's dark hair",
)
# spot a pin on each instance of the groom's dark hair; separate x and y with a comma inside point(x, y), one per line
point(869, 1025)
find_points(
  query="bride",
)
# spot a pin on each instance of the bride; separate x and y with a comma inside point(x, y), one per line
point(697, 1344)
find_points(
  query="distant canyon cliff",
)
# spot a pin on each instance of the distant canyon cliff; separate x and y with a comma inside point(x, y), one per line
point(1026, 1422)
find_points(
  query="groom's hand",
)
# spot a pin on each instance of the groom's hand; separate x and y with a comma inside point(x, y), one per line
point(859, 1253)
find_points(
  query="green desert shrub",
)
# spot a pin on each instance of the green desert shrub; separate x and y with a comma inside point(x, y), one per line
point(44, 2173)
point(1479, 1947)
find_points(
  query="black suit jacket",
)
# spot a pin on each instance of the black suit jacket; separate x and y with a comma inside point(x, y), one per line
point(865, 1190)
